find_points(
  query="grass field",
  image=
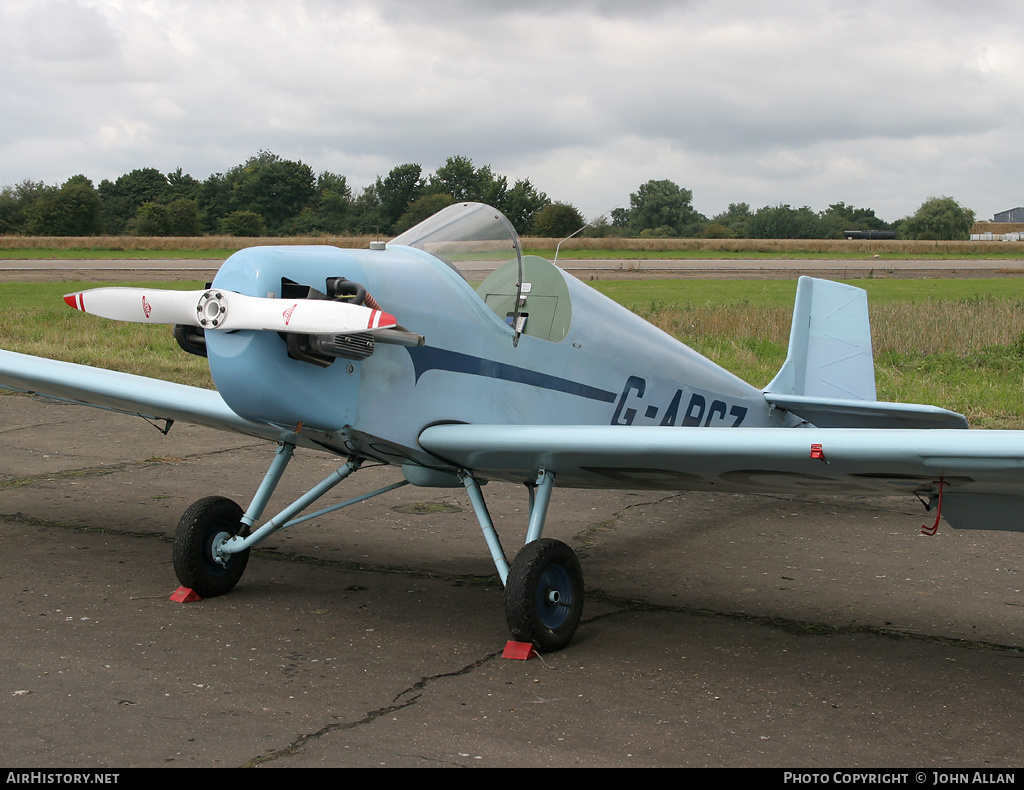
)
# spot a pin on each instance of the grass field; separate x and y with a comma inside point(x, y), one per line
point(954, 343)
point(36, 321)
point(213, 247)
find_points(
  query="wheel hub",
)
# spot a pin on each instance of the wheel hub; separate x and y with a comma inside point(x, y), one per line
point(554, 595)
point(217, 548)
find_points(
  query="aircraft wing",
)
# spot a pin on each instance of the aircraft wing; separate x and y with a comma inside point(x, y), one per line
point(124, 392)
point(980, 472)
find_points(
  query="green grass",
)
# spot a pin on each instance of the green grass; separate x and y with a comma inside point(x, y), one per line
point(753, 253)
point(953, 343)
point(780, 293)
point(958, 344)
point(37, 321)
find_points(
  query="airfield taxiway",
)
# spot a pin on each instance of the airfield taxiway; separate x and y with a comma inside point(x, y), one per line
point(719, 630)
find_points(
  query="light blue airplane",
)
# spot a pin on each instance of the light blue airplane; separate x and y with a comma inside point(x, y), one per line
point(389, 355)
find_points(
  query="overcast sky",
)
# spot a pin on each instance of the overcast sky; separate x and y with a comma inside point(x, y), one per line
point(877, 104)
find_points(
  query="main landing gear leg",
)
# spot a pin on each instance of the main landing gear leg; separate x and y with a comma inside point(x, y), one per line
point(544, 583)
point(212, 542)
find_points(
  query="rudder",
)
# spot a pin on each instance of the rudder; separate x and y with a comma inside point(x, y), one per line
point(830, 352)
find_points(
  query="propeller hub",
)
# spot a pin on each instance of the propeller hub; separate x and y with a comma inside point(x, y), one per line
point(212, 309)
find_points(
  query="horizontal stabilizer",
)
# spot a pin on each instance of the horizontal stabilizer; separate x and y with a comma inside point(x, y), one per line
point(841, 413)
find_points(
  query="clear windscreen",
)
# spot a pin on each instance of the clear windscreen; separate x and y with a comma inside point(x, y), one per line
point(469, 237)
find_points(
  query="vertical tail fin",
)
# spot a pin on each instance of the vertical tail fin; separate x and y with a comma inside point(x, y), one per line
point(828, 378)
point(830, 352)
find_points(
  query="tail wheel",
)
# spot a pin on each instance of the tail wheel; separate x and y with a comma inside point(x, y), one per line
point(203, 528)
point(544, 595)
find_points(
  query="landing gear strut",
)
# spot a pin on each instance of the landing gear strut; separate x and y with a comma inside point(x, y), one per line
point(544, 584)
point(212, 542)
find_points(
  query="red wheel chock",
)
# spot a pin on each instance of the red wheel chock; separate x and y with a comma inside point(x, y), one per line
point(185, 595)
point(520, 651)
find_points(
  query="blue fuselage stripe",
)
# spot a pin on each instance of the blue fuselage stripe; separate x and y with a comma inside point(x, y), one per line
point(426, 358)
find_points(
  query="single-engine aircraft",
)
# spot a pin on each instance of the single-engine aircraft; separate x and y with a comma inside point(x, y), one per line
point(389, 355)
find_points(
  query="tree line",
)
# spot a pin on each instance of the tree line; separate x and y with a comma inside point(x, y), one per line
point(269, 195)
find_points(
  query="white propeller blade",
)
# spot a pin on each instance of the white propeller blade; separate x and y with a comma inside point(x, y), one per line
point(139, 305)
point(229, 311)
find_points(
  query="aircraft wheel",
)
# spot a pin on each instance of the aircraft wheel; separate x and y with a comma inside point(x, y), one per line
point(207, 523)
point(544, 595)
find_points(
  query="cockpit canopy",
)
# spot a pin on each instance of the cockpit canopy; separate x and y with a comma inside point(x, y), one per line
point(527, 292)
point(463, 234)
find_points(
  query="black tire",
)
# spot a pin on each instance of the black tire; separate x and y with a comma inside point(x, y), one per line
point(544, 595)
point(194, 563)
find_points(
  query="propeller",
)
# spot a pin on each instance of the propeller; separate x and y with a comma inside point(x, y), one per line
point(228, 311)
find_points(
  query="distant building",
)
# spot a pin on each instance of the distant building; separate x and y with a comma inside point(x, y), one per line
point(1013, 215)
point(997, 237)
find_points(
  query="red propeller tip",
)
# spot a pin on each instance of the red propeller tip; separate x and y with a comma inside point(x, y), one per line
point(74, 300)
point(378, 319)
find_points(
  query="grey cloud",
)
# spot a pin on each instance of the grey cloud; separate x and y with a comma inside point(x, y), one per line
point(794, 102)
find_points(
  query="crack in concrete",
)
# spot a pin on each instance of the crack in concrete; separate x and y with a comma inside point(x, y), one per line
point(272, 553)
point(622, 605)
point(422, 683)
point(587, 537)
point(33, 426)
point(296, 746)
point(397, 704)
point(790, 625)
point(106, 469)
point(411, 696)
